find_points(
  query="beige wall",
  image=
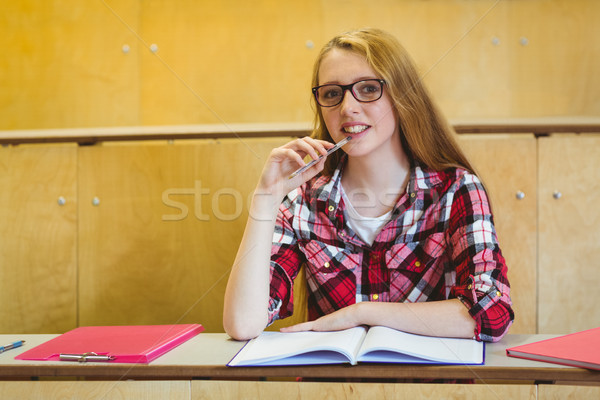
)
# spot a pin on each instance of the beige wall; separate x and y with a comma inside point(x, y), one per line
point(63, 63)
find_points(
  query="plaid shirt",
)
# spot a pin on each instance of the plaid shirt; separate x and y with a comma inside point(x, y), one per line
point(439, 244)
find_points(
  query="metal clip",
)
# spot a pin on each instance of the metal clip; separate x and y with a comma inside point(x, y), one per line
point(85, 357)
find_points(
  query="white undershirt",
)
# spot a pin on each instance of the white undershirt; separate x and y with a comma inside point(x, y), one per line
point(367, 228)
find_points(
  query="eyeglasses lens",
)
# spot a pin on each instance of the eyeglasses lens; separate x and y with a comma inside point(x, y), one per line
point(363, 91)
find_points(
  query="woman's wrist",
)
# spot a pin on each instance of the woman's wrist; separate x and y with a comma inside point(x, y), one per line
point(360, 313)
point(264, 205)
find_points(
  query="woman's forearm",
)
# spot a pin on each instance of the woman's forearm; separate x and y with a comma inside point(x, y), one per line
point(247, 292)
point(445, 318)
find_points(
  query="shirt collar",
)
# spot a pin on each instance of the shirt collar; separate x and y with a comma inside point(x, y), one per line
point(327, 190)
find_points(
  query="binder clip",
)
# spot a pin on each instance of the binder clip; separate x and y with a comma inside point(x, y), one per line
point(85, 357)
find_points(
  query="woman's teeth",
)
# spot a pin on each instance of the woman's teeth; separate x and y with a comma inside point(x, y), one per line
point(355, 128)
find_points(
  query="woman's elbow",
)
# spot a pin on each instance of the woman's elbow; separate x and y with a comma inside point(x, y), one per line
point(243, 328)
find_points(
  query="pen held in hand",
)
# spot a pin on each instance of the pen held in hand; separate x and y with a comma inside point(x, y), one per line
point(313, 162)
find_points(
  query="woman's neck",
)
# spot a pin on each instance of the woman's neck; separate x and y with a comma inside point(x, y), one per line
point(374, 183)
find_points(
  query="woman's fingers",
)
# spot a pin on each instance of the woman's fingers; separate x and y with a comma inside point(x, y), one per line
point(309, 146)
point(284, 160)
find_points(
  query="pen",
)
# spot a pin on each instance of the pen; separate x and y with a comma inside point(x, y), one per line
point(313, 162)
point(12, 345)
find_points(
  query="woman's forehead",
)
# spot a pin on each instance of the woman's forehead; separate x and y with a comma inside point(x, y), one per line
point(344, 67)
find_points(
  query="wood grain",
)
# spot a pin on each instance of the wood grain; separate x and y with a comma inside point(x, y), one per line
point(38, 246)
point(507, 165)
point(231, 62)
point(569, 233)
point(159, 246)
point(55, 390)
point(338, 390)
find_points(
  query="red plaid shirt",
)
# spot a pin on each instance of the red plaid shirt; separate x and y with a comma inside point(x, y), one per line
point(439, 244)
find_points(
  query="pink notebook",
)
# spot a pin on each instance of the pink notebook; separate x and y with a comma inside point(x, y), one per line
point(118, 344)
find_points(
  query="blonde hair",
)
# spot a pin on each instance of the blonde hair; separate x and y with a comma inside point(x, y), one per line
point(426, 135)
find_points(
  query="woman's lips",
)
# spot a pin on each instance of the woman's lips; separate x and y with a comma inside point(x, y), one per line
point(355, 130)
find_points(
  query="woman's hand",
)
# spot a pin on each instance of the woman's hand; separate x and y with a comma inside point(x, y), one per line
point(284, 160)
point(344, 318)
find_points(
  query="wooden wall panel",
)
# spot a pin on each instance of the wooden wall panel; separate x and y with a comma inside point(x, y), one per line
point(508, 167)
point(338, 390)
point(57, 390)
point(569, 233)
point(38, 238)
point(63, 65)
point(235, 61)
point(158, 247)
point(559, 392)
point(231, 61)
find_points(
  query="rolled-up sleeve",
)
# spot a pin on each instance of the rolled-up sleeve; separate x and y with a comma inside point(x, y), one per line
point(481, 271)
point(286, 260)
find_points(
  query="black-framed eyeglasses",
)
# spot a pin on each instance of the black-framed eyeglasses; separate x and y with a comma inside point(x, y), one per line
point(365, 91)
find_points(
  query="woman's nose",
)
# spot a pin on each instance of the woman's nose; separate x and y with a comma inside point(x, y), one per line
point(349, 103)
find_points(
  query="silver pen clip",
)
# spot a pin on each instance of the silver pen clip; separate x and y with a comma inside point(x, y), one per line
point(85, 357)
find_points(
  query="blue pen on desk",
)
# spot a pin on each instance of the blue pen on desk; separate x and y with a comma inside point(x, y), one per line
point(313, 162)
point(12, 345)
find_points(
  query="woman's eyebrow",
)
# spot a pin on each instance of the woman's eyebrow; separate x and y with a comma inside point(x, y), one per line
point(336, 82)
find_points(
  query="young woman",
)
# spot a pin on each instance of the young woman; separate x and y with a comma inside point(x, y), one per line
point(394, 230)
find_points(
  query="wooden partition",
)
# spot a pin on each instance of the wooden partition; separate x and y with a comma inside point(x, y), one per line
point(569, 233)
point(145, 231)
point(507, 165)
point(159, 227)
point(72, 64)
point(38, 238)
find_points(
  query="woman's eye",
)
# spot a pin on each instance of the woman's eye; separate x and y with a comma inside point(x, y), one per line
point(331, 93)
point(369, 89)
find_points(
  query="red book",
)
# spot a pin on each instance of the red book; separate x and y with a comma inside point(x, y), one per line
point(119, 344)
point(581, 349)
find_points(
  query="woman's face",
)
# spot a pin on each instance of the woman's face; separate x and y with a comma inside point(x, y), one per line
point(373, 126)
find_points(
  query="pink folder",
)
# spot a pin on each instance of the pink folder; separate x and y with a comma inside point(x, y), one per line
point(580, 349)
point(123, 344)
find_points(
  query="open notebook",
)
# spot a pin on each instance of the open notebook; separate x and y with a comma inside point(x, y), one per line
point(376, 344)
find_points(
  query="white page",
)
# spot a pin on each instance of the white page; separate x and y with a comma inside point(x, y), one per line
point(434, 349)
point(270, 347)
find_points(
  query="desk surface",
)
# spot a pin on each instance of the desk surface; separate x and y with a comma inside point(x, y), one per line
point(206, 356)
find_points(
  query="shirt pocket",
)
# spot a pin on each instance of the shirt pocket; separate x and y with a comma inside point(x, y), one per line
point(410, 264)
point(325, 261)
point(416, 256)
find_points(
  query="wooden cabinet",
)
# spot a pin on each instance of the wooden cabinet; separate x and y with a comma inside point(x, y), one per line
point(545, 194)
point(159, 228)
point(145, 232)
point(569, 233)
point(508, 168)
point(38, 237)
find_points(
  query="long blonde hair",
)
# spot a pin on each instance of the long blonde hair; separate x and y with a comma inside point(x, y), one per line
point(426, 135)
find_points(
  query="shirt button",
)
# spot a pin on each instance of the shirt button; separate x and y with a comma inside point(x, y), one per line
point(470, 286)
point(498, 293)
point(413, 195)
point(375, 296)
point(418, 264)
point(326, 265)
point(331, 208)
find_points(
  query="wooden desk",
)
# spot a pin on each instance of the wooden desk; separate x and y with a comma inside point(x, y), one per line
point(206, 356)
point(197, 370)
